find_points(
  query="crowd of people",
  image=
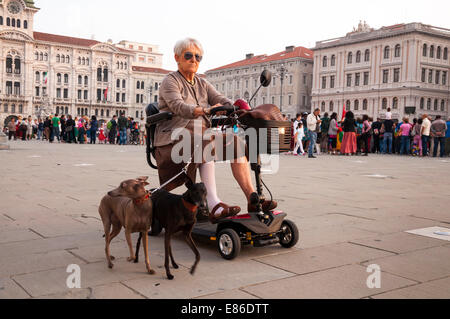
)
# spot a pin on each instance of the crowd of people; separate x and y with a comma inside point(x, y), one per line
point(83, 130)
point(313, 134)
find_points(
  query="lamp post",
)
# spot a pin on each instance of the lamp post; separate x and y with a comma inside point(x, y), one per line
point(282, 70)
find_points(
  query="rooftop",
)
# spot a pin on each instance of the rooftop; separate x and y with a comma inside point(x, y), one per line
point(289, 53)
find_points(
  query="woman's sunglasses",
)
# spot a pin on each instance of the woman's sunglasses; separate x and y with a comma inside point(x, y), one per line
point(189, 55)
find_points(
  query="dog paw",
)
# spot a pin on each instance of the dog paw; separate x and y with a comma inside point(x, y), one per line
point(170, 277)
point(175, 266)
point(151, 272)
point(110, 265)
point(136, 260)
point(192, 271)
point(112, 257)
point(130, 259)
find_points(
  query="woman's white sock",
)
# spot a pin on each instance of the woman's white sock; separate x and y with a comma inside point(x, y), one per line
point(208, 177)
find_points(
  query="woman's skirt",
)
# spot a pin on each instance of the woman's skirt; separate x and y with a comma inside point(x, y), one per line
point(232, 148)
point(349, 145)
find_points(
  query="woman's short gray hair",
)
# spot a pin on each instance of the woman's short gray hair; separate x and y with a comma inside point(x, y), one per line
point(185, 44)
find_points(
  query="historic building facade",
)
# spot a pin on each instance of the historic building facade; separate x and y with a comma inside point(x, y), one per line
point(42, 73)
point(404, 67)
point(291, 79)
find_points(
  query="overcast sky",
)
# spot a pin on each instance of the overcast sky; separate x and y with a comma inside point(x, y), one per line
point(229, 29)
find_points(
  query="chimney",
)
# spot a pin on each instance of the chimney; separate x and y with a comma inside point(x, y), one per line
point(290, 48)
point(249, 56)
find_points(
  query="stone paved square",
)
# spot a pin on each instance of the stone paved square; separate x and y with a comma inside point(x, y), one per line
point(352, 212)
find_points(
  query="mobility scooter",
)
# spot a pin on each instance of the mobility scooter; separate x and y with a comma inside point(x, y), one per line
point(257, 228)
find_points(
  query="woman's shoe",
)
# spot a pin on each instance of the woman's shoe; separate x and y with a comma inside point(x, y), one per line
point(227, 212)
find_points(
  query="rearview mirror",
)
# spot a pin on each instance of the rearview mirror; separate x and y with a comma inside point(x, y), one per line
point(266, 78)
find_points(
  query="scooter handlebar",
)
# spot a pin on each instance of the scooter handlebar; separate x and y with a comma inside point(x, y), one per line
point(226, 108)
point(160, 117)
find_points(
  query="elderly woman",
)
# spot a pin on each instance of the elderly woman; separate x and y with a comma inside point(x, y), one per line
point(190, 98)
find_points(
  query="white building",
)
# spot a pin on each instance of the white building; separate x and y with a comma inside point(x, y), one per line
point(404, 67)
point(291, 79)
point(68, 75)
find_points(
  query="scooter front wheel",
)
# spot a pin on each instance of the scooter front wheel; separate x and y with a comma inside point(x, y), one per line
point(228, 244)
point(289, 234)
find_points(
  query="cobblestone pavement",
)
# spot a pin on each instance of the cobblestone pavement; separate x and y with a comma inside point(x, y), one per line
point(352, 212)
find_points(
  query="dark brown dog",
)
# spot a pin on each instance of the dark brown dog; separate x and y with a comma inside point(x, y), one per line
point(177, 213)
point(127, 206)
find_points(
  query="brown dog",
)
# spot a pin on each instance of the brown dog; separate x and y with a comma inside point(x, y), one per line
point(127, 206)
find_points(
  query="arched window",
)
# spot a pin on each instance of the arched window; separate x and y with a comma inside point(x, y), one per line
point(87, 61)
point(41, 56)
point(331, 106)
point(80, 80)
point(124, 83)
point(348, 105)
point(25, 24)
point(358, 57)
point(442, 105)
point(438, 53)
point(395, 103)
point(79, 60)
point(63, 59)
point(445, 53)
point(67, 59)
point(57, 110)
point(397, 51)
point(13, 24)
point(367, 55)
point(58, 58)
point(17, 66)
point(356, 105)
point(142, 85)
point(107, 113)
point(1, 20)
point(365, 105)
point(121, 65)
point(323, 107)
point(83, 61)
point(350, 58)
point(432, 51)
point(96, 112)
point(20, 108)
point(18, 23)
point(126, 66)
point(36, 56)
point(422, 103)
point(387, 51)
point(45, 57)
point(58, 78)
point(138, 86)
point(66, 78)
point(425, 50)
point(118, 83)
point(118, 65)
point(9, 62)
point(99, 74)
point(13, 108)
point(333, 60)
point(105, 75)
point(435, 104)
point(429, 104)
point(38, 76)
point(86, 80)
point(8, 22)
point(325, 62)
point(384, 104)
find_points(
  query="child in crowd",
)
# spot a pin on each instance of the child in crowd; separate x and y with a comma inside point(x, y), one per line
point(299, 135)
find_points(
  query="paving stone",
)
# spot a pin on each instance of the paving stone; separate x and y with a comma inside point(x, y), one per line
point(233, 275)
point(394, 224)
point(52, 282)
point(400, 242)
point(10, 290)
point(423, 265)
point(229, 295)
point(347, 282)
point(17, 235)
point(320, 258)
point(35, 262)
point(436, 289)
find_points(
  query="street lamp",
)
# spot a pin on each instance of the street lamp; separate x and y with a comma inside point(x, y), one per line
point(283, 71)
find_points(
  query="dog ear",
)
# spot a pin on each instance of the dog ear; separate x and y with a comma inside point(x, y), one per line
point(189, 183)
point(142, 178)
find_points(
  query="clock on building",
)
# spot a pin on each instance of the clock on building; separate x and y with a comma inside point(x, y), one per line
point(14, 7)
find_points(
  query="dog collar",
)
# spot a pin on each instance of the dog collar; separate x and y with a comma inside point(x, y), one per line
point(190, 207)
point(140, 201)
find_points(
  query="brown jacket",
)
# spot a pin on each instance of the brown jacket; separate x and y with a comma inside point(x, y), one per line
point(12, 126)
point(181, 98)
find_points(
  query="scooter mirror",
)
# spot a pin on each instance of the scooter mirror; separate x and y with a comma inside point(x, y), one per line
point(266, 78)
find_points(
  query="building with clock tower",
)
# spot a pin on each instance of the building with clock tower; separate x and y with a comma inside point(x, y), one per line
point(42, 74)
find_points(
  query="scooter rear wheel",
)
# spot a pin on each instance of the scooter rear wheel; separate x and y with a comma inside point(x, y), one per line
point(289, 235)
point(228, 244)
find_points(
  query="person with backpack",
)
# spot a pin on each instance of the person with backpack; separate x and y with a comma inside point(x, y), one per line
point(123, 124)
point(112, 130)
point(325, 126)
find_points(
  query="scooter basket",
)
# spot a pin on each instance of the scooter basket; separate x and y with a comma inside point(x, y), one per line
point(277, 135)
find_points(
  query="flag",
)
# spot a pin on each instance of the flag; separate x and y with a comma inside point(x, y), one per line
point(45, 77)
point(344, 112)
point(105, 95)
